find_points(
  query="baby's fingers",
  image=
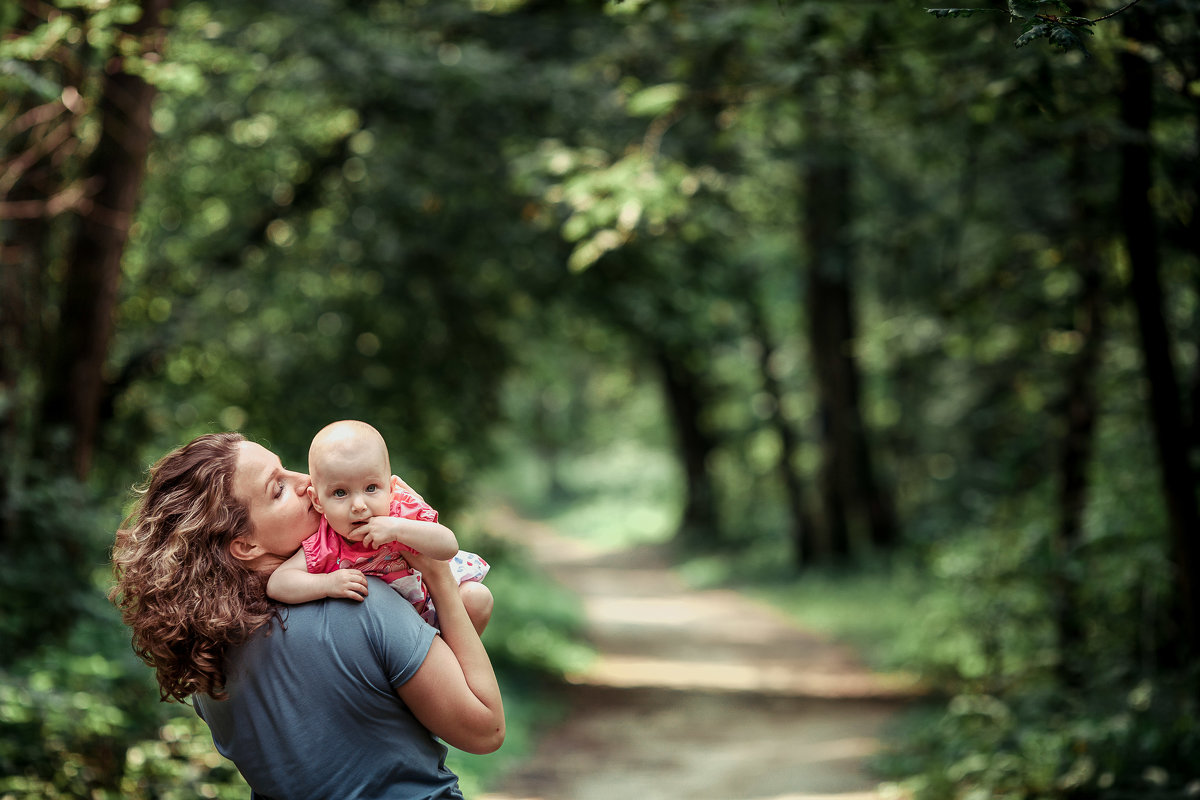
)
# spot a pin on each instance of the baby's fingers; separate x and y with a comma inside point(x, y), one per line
point(377, 533)
point(350, 584)
point(369, 540)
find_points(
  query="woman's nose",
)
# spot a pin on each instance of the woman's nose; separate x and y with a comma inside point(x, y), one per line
point(300, 481)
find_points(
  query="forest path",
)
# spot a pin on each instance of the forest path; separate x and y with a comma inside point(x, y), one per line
point(696, 694)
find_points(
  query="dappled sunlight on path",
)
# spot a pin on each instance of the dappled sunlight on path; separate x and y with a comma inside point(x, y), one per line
point(697, 694)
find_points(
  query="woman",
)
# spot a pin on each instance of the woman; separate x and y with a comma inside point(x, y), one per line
point(325, 699)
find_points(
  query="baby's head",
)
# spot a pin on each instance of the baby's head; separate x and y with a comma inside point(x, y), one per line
point(351, 474)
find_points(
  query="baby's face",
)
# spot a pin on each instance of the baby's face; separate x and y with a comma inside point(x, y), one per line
point(350, 490)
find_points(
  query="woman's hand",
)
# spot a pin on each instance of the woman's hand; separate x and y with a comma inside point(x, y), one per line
point(433, 570)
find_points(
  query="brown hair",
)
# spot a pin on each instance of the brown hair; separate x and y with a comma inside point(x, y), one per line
point(177, 585)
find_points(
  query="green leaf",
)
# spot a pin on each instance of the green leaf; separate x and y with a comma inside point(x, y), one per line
point(655, 100)
point(1023, 8)
point(1059, 32)
point(1027, 9)
point(942, 13)
point(26, 76)
point(1033, 33)
point(1068, 39)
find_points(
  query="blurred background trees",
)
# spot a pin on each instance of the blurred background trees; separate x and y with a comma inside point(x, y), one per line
point(801, 286)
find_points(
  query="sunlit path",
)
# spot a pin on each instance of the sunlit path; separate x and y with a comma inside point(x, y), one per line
point(698, 694)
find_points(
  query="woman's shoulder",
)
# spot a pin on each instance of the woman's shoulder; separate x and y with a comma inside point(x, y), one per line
point(381, 603)
point(382, 613)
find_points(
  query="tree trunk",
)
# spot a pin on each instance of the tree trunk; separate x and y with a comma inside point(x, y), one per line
point(1141, 239)
point(20, 286)
point(1191, 245)
point(33, 137)
point(74, 383)
point(852, 497)
point(803, 529)
point(544, 435)
point(22, 299)
point(1080, 412)
point(686, 400)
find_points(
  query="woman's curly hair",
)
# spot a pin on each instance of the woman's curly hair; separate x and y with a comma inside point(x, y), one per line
point(177, 585)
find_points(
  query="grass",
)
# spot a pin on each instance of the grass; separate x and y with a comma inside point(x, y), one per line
point(870, 609)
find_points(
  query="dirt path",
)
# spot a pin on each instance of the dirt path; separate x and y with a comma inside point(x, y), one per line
point(698, 695)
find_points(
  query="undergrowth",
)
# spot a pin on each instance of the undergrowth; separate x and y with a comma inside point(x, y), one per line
point(972, 620)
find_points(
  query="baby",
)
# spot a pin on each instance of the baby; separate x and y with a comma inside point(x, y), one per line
point(371, 519)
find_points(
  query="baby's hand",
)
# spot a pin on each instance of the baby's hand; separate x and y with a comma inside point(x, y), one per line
point(378, 531)
point(349, 584)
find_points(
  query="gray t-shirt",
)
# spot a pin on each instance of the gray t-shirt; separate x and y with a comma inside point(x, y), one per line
point(312, 710)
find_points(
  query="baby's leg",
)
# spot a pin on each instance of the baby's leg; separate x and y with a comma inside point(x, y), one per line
point(478, 600)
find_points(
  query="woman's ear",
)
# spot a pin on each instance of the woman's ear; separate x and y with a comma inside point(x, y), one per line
point(243, 550)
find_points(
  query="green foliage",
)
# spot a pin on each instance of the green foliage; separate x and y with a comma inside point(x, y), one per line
point(1062, 30)
point(82, 720)
point(50, 71)
point(43, 58)
point(609, 201)
point(45, 584)
point(317, 227)
point(1122, 742)
point(1009, 730)
point(180, 762)
point(1027, 9)
point(943, 13)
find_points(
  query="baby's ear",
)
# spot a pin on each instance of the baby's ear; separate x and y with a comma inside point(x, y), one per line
point(312, 496)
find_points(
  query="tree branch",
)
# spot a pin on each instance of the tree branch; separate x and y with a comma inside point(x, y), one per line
point(1112, 14)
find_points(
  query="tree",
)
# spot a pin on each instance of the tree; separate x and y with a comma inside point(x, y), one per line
point(1139, 224)
point(115, 168)
point(77, 137)
point(1080, 412)
point(804, 532)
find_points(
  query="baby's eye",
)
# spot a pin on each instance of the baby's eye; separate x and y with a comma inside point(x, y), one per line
point(339, 492)
point(372, 488)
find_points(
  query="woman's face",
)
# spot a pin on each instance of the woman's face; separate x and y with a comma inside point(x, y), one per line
point(281, 515)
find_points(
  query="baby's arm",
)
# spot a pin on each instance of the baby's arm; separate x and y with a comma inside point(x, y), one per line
point(432, 539)
point(291, 582)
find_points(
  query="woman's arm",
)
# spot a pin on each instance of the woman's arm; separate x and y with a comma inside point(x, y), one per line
point(292, 583)
point(455, 694)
